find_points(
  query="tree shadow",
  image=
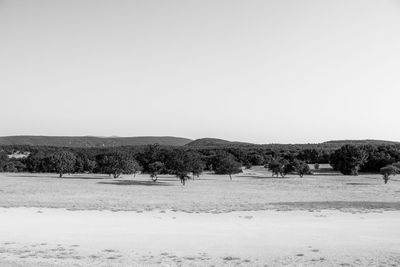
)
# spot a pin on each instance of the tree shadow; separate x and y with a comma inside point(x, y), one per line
point(131, 182)
point(261, 177)
point(359, 184)
point(327, 174)
point(56, 176)
point(67, 177)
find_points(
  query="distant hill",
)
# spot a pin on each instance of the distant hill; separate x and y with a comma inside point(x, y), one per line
point(206, 142)
point(334, 144)
point(360, 142)
point(91, 141)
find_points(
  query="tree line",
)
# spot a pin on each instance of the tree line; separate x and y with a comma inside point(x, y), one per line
point(350, 160)
point(184, 162)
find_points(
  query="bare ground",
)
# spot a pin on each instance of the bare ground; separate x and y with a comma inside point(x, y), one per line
point(254, 220)
point(57, 237)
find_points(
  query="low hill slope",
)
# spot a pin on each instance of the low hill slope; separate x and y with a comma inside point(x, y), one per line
point(205, 142)
point(91, 141)
point(361, 142)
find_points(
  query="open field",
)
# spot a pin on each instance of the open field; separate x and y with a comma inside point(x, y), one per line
point(253, 220)
point(252, 190)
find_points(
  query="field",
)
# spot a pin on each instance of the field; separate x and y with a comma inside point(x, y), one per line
point(252, 190)
point(325, 219)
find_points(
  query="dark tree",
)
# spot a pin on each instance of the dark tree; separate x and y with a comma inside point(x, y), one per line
point(196, 164)
point(62, 162)
point(10, 167)
point(18, 164)
point(154, 169)
point(348, 159)
point(150, 154)
point(275, 167)
point(184, 163)
point(83, 164)
point(226, 163)
point(287, 167)
point(397, 165)
point(255, 159)
point(280, 167)
point(3, 160)
point(301, 167)
point(132, 167)
point(39, 161)
point(388, 171)
point(116, 163)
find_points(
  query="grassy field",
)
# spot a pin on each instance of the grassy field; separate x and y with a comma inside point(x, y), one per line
point(252, 190)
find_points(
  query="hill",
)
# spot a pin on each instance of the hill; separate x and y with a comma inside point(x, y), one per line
point(334, 144)
point(206, 142)
point(360, 142)
point(91, 141)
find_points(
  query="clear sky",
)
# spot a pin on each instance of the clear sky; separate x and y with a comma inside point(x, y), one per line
point(284, 71)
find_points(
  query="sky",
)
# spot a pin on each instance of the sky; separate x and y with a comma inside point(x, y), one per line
point(284, 71)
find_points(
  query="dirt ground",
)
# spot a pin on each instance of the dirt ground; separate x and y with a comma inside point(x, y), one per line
point(58, 237)
point(326, 219)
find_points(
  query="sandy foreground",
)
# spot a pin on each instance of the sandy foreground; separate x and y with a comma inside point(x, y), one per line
point(49, 237)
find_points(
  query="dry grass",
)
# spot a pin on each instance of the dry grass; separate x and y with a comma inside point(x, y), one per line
point(252, 190)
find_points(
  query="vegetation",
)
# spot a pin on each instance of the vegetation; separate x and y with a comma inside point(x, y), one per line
point(301, 168)
point(226, 163)
point(62, 162)
point(388, 171)
point(116, 163)
point(185, 161)
point(155, 169)
point(283, 166)
point(348, 159)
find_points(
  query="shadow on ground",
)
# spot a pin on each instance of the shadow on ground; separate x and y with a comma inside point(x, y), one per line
point(359, 184)
point(66, 177)
point(130, 182)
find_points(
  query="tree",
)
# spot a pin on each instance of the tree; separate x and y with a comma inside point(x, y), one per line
point(10, 167)
point(62, 162)
point(3, 160)
point(19, 165)
point(280, 167)
point(149, 155)
point(316, 166)
point(387, 171)
point(131, 167)
point(155, 169)
point(286, 168)
point(226, 163)
point(84, 164)
point(397, 165)
point(254, 159)
point(38, 162)
point(301, 167)
point(348, 159)
point(182, 163)
point(196, 164)
point(116, 163)
point(275, 167)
